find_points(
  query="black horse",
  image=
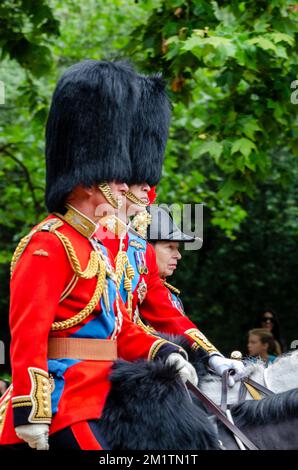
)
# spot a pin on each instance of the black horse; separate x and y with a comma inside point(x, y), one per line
point(149, 408)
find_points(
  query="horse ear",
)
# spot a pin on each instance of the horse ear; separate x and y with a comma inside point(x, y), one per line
point(149, 396)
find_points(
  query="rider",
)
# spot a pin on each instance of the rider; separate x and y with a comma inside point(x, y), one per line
point(141, 288)
point(166, 238)
point(67, 321)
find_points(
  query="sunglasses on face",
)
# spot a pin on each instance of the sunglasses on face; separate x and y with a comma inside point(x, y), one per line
point(265, 319)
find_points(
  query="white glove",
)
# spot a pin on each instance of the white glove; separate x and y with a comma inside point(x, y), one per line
point(36, 435)
point(219, 364)
point(186, 370)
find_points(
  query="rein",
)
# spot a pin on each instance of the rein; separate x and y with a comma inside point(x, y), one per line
point(247, 384)
point(223, 412)
point(218, 412)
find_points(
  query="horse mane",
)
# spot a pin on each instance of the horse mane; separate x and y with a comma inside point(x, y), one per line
point(272, 409)
point(149, 408)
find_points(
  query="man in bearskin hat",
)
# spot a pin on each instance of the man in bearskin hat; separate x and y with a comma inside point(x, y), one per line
point(144, 293)
point(68, 323)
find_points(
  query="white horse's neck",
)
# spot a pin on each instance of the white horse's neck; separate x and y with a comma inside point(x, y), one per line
point(280, 376)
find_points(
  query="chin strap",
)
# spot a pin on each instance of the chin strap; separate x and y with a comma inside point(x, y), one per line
point(133, 198)
point(107, 192)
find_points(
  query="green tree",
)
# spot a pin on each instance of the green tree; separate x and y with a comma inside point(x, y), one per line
point(228, 282)
point(230, 65)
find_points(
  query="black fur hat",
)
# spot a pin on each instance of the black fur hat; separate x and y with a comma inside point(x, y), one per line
point(150, 131)
point(89, 128)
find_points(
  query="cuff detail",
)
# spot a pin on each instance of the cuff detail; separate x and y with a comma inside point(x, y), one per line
point(200, 340)
point(36, 407)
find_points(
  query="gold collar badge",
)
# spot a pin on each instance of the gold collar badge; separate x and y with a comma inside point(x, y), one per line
point(79, 221)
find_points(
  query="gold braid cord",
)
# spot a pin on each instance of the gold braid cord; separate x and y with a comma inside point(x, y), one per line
point(19, 250)
point(83, 314)
point(92, 267)
point(171, 288)
point(123, 267)
point(24, 242)
point(95, 267)
point(121, 260)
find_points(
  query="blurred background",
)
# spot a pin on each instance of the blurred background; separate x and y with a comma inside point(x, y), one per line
point(231, 70)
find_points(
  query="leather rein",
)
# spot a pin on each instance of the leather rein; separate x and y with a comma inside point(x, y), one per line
point(222, 411)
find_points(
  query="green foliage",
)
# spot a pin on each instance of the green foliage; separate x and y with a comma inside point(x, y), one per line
point(231, 65)
point(228, 283)
point(25, 30)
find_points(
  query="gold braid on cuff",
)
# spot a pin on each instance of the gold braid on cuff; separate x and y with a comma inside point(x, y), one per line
point(39, 399)
point(200, 340)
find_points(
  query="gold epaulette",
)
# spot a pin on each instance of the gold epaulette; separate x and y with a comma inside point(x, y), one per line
point(96, 267)
point(171, 288)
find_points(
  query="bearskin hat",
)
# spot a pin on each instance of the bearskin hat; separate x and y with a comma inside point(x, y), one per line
point(89, 127)
point(149, 131)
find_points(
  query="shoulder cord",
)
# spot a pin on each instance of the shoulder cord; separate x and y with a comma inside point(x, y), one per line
point(171, 288)
point(123, 267)
point(95, 267)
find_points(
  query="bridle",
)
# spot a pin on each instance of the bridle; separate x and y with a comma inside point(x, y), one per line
point(223, 413)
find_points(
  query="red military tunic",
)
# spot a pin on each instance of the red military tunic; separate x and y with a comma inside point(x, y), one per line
point(151, 301)
point(52, 282)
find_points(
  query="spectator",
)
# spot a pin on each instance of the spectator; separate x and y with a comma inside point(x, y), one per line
point(261, 345)
point(268, 320)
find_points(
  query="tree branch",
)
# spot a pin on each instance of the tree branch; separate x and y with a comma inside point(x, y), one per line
point(4, 150)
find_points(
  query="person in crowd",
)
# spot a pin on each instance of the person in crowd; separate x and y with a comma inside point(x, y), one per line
point(268, 319)
point(261, 345)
